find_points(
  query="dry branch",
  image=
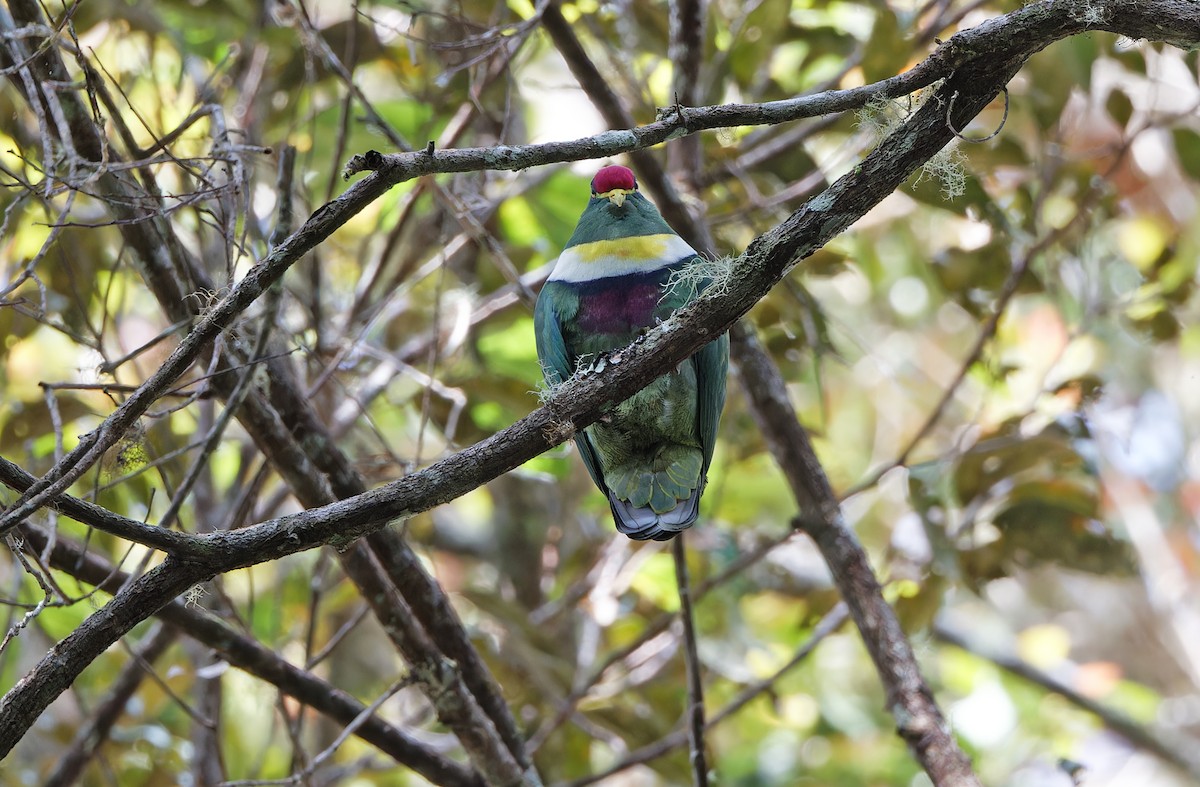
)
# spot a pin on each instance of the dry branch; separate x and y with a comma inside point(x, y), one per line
point(990, 50)
point(289, 433)
point(1181, 753)
point(975, 65)
point(973, 59)
point(253, 657)
point(918, 718)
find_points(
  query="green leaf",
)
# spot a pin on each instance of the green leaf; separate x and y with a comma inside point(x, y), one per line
point(1187, 148)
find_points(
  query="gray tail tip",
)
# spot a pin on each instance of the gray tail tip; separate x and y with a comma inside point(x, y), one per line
point(641, 523)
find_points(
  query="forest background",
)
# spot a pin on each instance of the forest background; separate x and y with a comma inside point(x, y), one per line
point(992, 368)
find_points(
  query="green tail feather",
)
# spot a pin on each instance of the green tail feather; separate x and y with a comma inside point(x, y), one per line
point(673, 476)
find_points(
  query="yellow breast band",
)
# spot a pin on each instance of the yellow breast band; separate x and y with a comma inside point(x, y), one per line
point(651, 248)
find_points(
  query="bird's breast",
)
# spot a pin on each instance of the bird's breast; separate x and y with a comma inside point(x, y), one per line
point(619, 308)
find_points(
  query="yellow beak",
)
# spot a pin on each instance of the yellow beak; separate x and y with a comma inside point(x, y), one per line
point(616, 196)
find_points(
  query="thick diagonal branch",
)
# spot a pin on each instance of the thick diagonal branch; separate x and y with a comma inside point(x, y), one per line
point(253, 657)
point(285, 427)
point(991, 47)
point(579, 402)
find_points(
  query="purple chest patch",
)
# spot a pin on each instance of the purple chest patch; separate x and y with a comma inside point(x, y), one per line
point(619, 309)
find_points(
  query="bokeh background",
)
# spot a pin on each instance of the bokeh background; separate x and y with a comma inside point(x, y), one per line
point(998, 366)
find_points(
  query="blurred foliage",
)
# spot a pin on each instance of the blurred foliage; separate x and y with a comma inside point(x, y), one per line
point(1055, 493)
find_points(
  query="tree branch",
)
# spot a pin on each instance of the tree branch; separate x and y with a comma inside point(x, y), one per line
point(1023, 32)
point(92, 734)
point(688, 25)
point(978, 63)
point(694, 715)
point(170, 541)
point(918, 719)
point(990, 49)
point(255, 659)
point(1180, 753)
point(685, 159)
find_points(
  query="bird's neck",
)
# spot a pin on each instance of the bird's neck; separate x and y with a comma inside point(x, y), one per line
point(606, 258)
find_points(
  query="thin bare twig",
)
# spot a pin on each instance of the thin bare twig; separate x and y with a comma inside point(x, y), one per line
point(1183, 754)
point(771, 257)
point(1001, 44)
point(694, 715)
point(830, 623)
point(260, 661)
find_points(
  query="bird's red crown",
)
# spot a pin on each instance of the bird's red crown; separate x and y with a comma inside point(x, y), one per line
point(613, 177)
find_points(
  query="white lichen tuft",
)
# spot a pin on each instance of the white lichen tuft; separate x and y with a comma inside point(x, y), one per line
point(1090, 14)
point(194, 595)
point(948, 168)
point(702, 275)
point(205, 298)
point(546, 390)
point(556, 432)
point(881, 116)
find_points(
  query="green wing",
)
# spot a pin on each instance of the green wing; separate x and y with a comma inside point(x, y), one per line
point(712, 367)
point(558, 362)
point(711, 363)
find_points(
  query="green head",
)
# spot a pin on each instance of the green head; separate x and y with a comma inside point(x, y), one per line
point(617, 210)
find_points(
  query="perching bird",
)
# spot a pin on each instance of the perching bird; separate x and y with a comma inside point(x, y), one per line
point(649, 454)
